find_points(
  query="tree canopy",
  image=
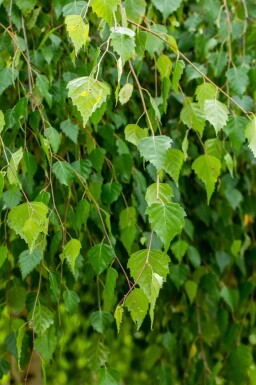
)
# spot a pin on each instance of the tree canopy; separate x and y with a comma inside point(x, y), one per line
point(127, 191)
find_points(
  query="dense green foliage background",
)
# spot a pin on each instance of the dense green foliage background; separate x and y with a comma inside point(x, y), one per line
point(127, 257)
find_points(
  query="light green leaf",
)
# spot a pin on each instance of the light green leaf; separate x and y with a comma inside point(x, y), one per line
point(73, 8)
point(29, 261)
point(2, 121)
point(154, 149)
point(125, 93)
point(109, 289)
point(193, 116)
point(179, 249)
point(135, 9)
point(167, 220)
point(87, 95)
point(185, 144)
point(29, 220)
point(150, 268)
point(101, 320)
point(177, 72)
point(238, 80)
point(13, 166)
point(70, 130)
point(123, 31)
point(128, 235)
point(134, 133)
point(71, 251)
point(164, 66)
point(123, 45)
point(191, 290)
point(159, 193)
point(100, 257)
point(25, 6)
point(19, 342)
point(229, 162)
point(104, 9)
point(2, 175)
point(216, 113)
point(205, 91)
point(71, 301)
point(166, 7)
point(173, 164)
point(137, 304)
point(63, 172)
point(54, 138)
point(207, 168)
point(118, 316)
point(41, 319)
point(153, 43)
point(154, 104)
point(250, 134)
point(78, 31)
point(7, 75)
point(46, 343)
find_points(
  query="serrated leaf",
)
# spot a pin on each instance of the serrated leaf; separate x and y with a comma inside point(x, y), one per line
point(104, 9)
point(82, 167)
point(150, 268)
point(137, 304)
point(78, 31)
point(2, 121)
point(123, 45)
point(173, 164)
point(7, 75)
point(205, 91)
point(46, 343)
point(250, 134)
point(154, 149)
point(71, 301)
point(70, 130)
point(125, 93)
point(19, 342)
point(134, 133)
point(167, 220)
point(29, 261)
point(135, 9)
point(159, 193)
point(87, 95)
point(207, 168)
point(101, 320)
point(13, 166)
point(100, 257)
point(63, 172)
point(97, 354)
point(118, 315)
point(216, 113)
point(238, 80)
point(109, 289)
point(41, 319)
point(235, 129)
point(177, 72)
point(193, 116)
point(54, 138)
point(29, 220)
point(108, 376)
point(166, 7)
point(154, 105)
point(70, 252)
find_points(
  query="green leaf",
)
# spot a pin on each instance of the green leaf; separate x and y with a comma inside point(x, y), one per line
point(216, 113)
point(29, 220)
point(8, 77)
point(82, 167)
point(100, 257)
point(54, 138)
point(71, 251)
point(153, 43)
point(207, 168)
point(41, 319)
point(167, 220)
point(70, 130)
point(127, 217)
point(166, 7)
point(238, 80)
point(179, 249)
point(87, 95)
point(110, 192)
point(191, 290)
point(135, 9)
point(108, 377)
point(193, 116)
point(46, 343)
point(177, 72)
point(13, 166)
point(104, 9)
point(164, 66)
point(2, 175)
point(230, 164)
point(29, 164)
point(123, 45)
point(2, 121)
point(239, 362)
point(29, 261)
point(125, 93)
point(109, 289)
point(149, 268)
point(71, 301)
point(226, 295)
point(128, 235)
point(101, 320)
point(250, 134)
point(26, 6)
point(235, 130)
point(118, 315)
point(137, 304)
point(159, 193)
point(19, 342)
point(173, 164)
point(42, 85)
point(78, 31)
point(63, 172)
point(205, 91)
point(154, 149)
point(134, 133)
point(82, 213)
point(3, 255)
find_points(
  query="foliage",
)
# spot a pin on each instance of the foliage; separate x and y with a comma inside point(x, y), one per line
point(127, 191)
